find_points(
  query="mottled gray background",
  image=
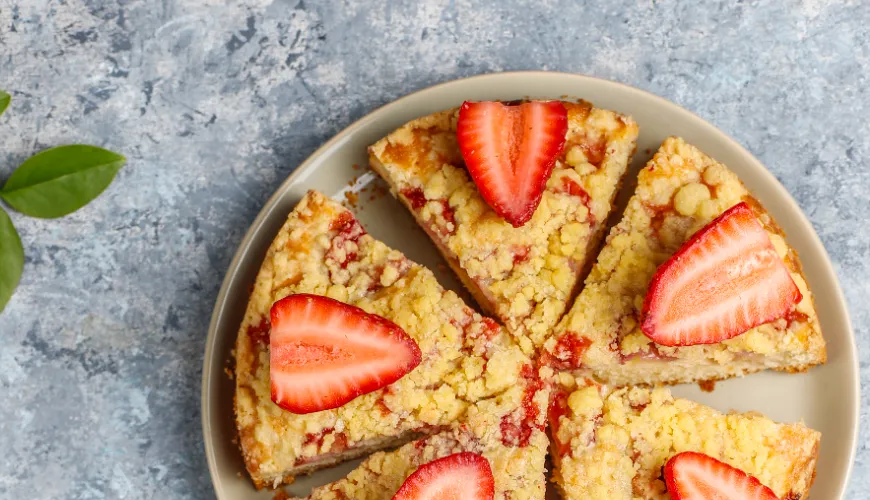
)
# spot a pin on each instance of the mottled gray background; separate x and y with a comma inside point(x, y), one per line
point(215, 102)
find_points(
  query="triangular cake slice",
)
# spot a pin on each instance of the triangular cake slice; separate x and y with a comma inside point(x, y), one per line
point(679, 191)
point(507, 430)
point(322, 250)
point(612, 443)
point(524, 276)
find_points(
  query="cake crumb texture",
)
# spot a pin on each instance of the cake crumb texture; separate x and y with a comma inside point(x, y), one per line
point(612, 443)
point(518, 467)
point(525, 276)
point(679, 192)
point(322, 249)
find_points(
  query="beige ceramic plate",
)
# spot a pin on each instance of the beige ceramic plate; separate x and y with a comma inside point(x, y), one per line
point(826, 398)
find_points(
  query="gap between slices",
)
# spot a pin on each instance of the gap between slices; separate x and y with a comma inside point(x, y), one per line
point(510, 152)
point(727, 279)
point(324, 353)
point(461, 476)
point(695, 476)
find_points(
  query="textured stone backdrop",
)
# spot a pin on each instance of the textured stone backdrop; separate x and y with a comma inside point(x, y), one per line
point(215, 102)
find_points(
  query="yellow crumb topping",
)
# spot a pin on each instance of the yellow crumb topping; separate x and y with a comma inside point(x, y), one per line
point(613, 443)
point(525, 276)
point(321, 249)
point(519, 472)
point(679, 191)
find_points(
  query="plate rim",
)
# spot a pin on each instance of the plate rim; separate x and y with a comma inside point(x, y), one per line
point(272, 203)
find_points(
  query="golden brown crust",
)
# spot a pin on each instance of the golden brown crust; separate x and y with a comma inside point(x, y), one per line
point(679, 191)
point(794, 265)
point(612, 443)
point(526, 275)
point(518, 467)
point(805, 472)
point(321, 249)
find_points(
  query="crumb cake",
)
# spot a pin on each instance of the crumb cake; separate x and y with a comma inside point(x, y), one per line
point(515, 445)
point(612, 443)
point(679, 191)
point(524, 276)
point(322, 249)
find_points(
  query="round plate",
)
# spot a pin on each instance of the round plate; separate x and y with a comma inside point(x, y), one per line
point(825, 398)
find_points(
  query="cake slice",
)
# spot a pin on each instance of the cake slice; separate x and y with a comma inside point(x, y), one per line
point(613, 443)
point(508, 431)
point(679, 192)
point(322, 250)
point(525, 276)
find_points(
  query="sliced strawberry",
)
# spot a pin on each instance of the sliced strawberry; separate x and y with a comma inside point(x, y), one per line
point(695, 476)
point(461, 476)
point(510, 152)
point(725, 280)
point(324, 353)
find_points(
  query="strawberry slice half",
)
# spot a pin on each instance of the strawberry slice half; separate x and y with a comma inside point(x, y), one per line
point(461, 476)
point(324, 353)
point(725, 280)
point(695, 476)
point(510, 152)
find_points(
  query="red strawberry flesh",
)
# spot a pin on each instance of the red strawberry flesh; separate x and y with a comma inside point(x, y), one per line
point(510, 152)
point(724, 281)
point(461, 476)
point(324, 353)
point(695, 476)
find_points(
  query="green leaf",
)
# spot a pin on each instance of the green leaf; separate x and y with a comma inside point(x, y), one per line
point(11, 259)
point(5, 99)
point(61, 180)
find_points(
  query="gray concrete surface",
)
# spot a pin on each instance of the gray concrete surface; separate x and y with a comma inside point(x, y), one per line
point(215, 102)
